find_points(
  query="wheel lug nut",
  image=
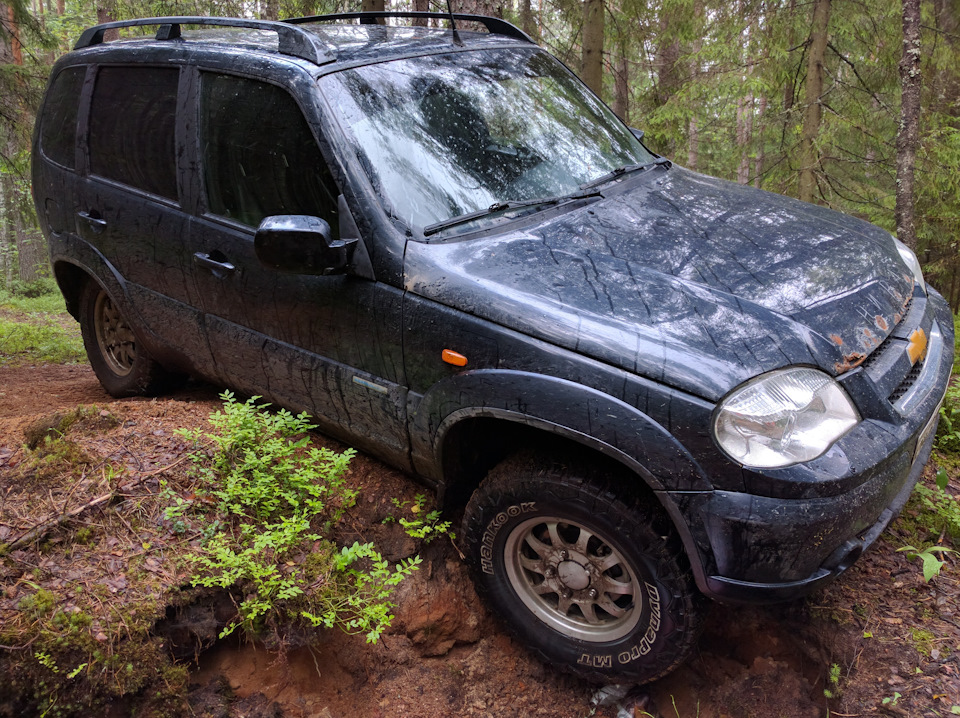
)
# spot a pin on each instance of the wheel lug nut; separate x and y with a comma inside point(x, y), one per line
point(550, 572)
point(592, 593)
point(564, 555)
point(566, 593)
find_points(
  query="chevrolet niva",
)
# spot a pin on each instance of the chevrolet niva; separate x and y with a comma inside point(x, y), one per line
point(645, 385)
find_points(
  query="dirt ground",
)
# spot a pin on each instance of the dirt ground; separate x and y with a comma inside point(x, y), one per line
point(891, 640)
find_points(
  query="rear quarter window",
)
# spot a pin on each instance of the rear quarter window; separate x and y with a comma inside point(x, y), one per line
point(133, 127)
point(58, 128)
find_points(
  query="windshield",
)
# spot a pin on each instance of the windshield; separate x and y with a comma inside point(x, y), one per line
point(445, 135)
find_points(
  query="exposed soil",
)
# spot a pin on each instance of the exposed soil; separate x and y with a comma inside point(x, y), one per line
point(892, 635)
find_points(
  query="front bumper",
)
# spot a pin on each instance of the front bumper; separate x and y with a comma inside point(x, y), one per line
point(773, 546)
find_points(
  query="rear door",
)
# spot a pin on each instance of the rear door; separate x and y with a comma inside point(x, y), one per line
point(327, 344)
point(131, 209)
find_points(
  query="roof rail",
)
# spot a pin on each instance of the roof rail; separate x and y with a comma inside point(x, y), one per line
point(293, 40)
point(494, 25)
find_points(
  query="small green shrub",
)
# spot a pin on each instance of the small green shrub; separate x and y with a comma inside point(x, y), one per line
point(272, 495)
point(948, 432)
point(833, 682)
point(426, 526)
point(42, 340)
point(939, 510)
point(39, 287)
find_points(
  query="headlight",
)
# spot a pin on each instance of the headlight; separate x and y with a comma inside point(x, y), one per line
point(783, 417)
point(913, 264)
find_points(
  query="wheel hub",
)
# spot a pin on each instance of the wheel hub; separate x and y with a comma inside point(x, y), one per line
point(573, 575)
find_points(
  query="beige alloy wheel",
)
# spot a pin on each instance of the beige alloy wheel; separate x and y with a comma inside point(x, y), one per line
point(116, 340)
point(573, 580)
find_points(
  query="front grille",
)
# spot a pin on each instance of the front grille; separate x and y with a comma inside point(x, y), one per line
point(908, 381)
point(877, 353)
point(887, 343)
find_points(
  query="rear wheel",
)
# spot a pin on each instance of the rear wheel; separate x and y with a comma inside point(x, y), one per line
point(120, 362)
point(595, 583)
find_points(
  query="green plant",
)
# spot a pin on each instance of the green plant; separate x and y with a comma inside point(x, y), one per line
point(833, 682)
point(39, 604)
point(35, 288)
point(426, 527)
point(931, 564)
point(948, 432)
point(940, 512)
point(891, 700)
point(39, 340)
point(271, 493)
point(923, 640)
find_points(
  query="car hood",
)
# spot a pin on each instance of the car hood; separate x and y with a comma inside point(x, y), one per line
point(686, 279)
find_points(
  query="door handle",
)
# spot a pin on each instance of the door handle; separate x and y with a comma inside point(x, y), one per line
point(95, 223)
point(219, 269)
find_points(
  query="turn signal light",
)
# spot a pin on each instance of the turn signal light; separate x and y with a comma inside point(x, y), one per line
point(454, 358)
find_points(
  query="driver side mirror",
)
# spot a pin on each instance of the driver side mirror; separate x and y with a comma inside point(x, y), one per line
point(301, 244)
point(637, 133)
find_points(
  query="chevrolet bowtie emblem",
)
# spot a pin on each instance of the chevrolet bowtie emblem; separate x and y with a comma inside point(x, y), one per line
point(917, 348)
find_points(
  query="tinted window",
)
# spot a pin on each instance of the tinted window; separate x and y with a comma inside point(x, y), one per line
point(58, 133)
point(132, 127)
point(259, 155)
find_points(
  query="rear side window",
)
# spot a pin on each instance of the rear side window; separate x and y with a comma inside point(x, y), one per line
point(133, 127)
point(58, 130)
point(259, 156)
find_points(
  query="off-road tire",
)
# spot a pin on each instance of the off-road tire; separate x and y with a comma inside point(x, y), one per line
point(121, 363)
point(633, 565)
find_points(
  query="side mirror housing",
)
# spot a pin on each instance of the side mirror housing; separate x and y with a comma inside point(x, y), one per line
point(637, 133)
point(301, 244)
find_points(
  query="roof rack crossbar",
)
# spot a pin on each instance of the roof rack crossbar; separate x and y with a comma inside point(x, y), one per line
point(494, 25)
point(292, 40)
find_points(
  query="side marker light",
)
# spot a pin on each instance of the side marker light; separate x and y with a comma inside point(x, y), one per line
point(454, 358)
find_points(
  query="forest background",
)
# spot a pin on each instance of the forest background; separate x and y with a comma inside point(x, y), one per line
point(851, 104)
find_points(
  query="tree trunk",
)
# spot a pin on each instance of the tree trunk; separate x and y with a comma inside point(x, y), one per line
point(745, 133)
point(908, 138)
point(758, 160)
point(621, 97)
point(809, 156)
point(105, 14)
point(271, 10)
point(527, 21)
point(693, 129)
point(421, 6)
point(8, 243)
point(693, 144)
point(667, 61)
point(16, 49)
point(591, 71)
point(373, 5)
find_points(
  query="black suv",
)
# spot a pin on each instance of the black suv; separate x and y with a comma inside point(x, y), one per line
point(646, 385)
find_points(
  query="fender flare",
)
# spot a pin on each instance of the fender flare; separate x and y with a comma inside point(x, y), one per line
point(86, 258)
point(583, 414)
point(592, 419)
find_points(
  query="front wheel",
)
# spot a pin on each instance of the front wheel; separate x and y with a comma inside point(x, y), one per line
point(120, 362)
point(593, 582)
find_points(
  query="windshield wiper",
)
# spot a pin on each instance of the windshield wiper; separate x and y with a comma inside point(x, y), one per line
point(624, 170)
point(505, 206)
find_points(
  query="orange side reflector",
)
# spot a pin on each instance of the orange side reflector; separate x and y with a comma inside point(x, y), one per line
point(455, 358)
point(917, 349)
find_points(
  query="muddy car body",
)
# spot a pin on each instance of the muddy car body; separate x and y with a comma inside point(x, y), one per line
point(645, 384)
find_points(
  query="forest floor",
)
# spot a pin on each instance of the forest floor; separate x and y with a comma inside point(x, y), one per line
point(103, 573)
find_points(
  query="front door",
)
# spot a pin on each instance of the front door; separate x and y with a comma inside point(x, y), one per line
point(325, 344)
